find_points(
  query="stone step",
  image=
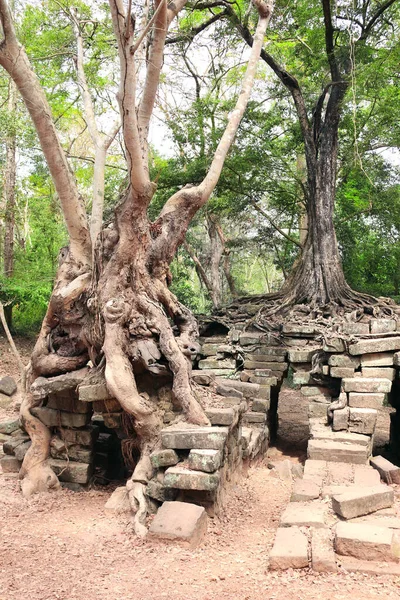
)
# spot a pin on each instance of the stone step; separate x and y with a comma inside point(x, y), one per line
point(362, 501)
point(387, 470)
point(320, 430)
point(304, 514)
point(186, 438)
point(188, 479)
point(323, 558)
point(362, 384)
point(180, 522)
point(249, 390)
point(290, 549)
point(365, 542)
point(337, 451)
point(305, 490)
point(73, 472)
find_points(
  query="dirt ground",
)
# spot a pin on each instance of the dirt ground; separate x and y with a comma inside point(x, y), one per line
point(64, 546)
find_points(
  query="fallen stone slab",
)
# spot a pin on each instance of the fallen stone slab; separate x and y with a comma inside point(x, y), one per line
point(186, 438)
point(201, 378)
point(340, 473)
point(283, 468)
point(357, 400)
point(380, 359)
point(118, 502)
point(365, 476)
point(304, 514)
point(374, 346)
point(8, 386)
point(222, 416)
point(187, 479)
point(362, 501)
point(362, 384)
point(379, 520)
point(389, 472)
point(305, 490)
point(334, 489)
point(164, 458)
point(365, 542)
point(323, 558)
point(74, 472)
point(5, 401)
point(10, 464)
point(180, 522)
point(9, 427)
point(362, 420)
point(290, 549)
point(337, 451)
point(205, 460)
point(315, 470)
point(43, 386)
point(369, 567)
point(249, 390)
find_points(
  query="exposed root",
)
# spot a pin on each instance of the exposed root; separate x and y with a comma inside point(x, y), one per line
point(136, 491)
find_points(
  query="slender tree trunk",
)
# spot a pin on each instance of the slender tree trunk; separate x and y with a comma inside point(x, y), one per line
point(216, 253)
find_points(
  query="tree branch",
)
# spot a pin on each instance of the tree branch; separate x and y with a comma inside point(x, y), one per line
point(374, 18)
point(190, 35)
point(274, 225)
point(329, 43)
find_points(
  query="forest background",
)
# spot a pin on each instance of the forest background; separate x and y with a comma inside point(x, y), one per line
point(246, 239)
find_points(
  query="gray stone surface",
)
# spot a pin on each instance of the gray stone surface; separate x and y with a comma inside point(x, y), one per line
point(222, 416)
point(254, 417)
point(43, 386)
point(337, 451)
point(362, 384)
point(260, 405)
point(180, 522)
point(8, 386)
point(362, 501)
point(228, 390)
point(387, 470)
point(185, 438)
point(305, 490)
point(58, 402)
point(380, 359)
point(205, 460)
point(21, 450)
point(362, 420)
point(302, 356)
point(366, 476)
point(363, 541)
point(118, 502)
point(74, 472)
point(322, 553)
point(56, 418)
point(164, 458)
point(379, 372)
point(342, 372)
point(355, 328)
point(212, 363)
point(290, 549)
point(375, 346)
point(249, 390)
point(157, 491)
point(187, 479)
point(10, 464)
point(9, 426)
point(344, 360)
point(334, 344)
point(322, 431)
point(383, 325)
point(201, 378)
point(365, 400)
point(86, 436)
point(304, 514)
point(340, 419)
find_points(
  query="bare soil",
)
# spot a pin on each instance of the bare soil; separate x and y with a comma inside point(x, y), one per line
point(64, 546)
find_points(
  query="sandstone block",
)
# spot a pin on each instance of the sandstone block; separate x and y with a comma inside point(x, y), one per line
point(5, 401)
point(10, 445)
point(323, 431)
point(212, 363)
point(266, 358)
point(186, 479)
point(260, 405)
point(341, 372)
point(337, 451)
point(379, 372)
point(290, 550)
point(383, 325)
point(68, 404)
point(254, 417)
point(74, 472)
point(201, 378)
point(362, 501)
point(209, 349)
point(316, 471)
point(56, 418)
point(396, 359)
point(164, 458)
point(364, 542)
point(264, 392)
point(304, 514)
point(21, 450)
point(301, 330)
point(355, 328)
point(185, 438)
point(375, 346)
point(8, 386)
point(156, 490)
point(383, 359)
point(340, 419)
point(43, 386)
point(305, 490)
point(275, 366)
point(334, 345)
point(229, 391)
point(322, 553)
point(10, 464)
point(64, 451)
point(339, 473)
point(10, 426)
point(301, 356)
point(344, 360)
point(365, 400)
point(181, 522)
point(365, 476)
point(249, 390)
point(85, 437)
point(118, 502)
point(308, 390)
point(221, 416)
point(113, 420)
point(387, 470)
point(362, 384)
point(302, 378)
point(317, 409)
point(205, 460)
point(362, 420)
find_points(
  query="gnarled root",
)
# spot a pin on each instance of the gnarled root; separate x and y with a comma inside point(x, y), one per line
point(136, 492)
point(35, 473)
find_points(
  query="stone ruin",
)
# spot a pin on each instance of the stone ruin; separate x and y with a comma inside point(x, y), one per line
point(346, 374)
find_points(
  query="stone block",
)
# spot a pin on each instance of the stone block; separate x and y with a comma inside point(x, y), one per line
point(341, 372)
point(74, 472)
point(205, 460)
point(334, 345)
point(290, 549)
point(58, 418)
point(283, 468)
point(68, 404)
point(379, 372)
point(254, 417)
point(85, 437)
point(308, 390)
point(260, 405)
point(339, 473)
point(212, 363)
point(317, 409)
point(8, 386)
point(344, 360)
point(213, 373)
point(360, 400)
point(316, 471)
point(187, 479)
point(201, 378)
point(249, 390)
point(164, 458)
point(21, 450)
point(304, 514)
point(118, 502)
point(384, 359)
point(5, 401)
point(396, 359)
point(94, 392)
point(305, 490)
point(322, 553)
point(300, 330)
point(156, 490)
point(301, 356)
point(323, 431)
point(375, 346)
point(362, 384)
point(113, 420)
point(355, 328)
point(111, 405)
point(266, 358)
point(383, 325)
point(264, 392)
point(186, 438)
point(302, 378)
point(222, 416)
point(62, 450)
point(10, 464)
point(365, 476)
point(180, 522)
point(9, 426)
point(43, 386)
point(387, 470)
point(10, 445)
point(337, 451)
point(340, 419)
point(362, 501)
point(275, 366)
point(364, 541)
point(362, 420)
point(209, 349)
point(229, 391)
